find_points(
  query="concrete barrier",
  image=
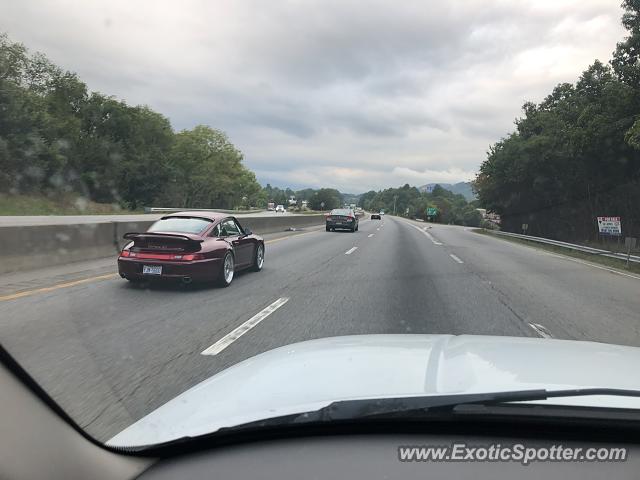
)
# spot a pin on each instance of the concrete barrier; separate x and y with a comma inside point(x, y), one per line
point(38, 246)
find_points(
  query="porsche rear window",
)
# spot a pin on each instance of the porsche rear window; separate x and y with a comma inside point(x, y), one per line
point(180, 224)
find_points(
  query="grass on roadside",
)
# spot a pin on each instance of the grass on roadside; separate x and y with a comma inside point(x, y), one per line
point(597, 259)
point(68, 204)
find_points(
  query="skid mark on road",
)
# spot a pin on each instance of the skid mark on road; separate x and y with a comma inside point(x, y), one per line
point(235, 334)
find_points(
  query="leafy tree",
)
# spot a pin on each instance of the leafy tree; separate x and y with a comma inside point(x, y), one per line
point(575, 155)
point(325, 199)
point(57, 137)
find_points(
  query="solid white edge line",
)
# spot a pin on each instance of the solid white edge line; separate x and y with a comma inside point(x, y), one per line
point(236, 333)
point(435, 242)
point(540, 330)
point(429, 236)
point(350, 251)
point(577, 260)
point(589, 264)
point(455, 258)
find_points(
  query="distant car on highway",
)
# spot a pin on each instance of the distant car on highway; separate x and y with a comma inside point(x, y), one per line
point(342, 218)
point(280, 208)
point(191, 247)
point(375, 216)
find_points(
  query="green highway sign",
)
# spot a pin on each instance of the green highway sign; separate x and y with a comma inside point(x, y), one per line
point(432, 211)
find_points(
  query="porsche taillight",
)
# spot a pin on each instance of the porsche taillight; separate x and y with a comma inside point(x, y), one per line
point(189, 257)
point(179, 257)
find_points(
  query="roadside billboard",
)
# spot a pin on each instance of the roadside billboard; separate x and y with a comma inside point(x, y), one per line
point(610, 226)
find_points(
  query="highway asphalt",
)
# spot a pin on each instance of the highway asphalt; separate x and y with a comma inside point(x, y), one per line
point(110, 352)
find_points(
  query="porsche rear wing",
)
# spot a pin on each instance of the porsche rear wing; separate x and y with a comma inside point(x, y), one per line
point(158, 236)
point(163, 241)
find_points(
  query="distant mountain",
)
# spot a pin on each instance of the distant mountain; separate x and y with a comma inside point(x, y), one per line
point(463, 188)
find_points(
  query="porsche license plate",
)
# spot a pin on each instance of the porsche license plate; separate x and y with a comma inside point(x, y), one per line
point(152, 269)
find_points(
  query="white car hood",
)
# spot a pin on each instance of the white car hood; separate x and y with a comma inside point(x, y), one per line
point(310, 375)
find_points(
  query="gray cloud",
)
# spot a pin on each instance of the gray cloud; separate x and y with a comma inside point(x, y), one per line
point(341, 93)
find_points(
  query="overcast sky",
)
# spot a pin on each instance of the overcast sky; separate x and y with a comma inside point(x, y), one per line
point(340, 93)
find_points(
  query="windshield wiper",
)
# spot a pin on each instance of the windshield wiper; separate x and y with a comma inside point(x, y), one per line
point(413, 406)
point(397, 408)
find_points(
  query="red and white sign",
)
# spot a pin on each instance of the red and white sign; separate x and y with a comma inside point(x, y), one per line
point(610, 226)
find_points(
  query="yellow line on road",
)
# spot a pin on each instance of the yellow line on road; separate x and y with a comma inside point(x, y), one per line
point(27, 293)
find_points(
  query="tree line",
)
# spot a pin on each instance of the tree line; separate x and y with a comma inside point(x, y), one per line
point(575, 155)
point(317, 199)
point(57, 137)
point(451, 208)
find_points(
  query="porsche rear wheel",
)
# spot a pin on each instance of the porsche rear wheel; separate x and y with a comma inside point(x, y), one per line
point(227, 271)
point(258, 260)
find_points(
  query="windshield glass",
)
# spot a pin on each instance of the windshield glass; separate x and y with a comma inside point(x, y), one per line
point(411, 198)
point(180, 224)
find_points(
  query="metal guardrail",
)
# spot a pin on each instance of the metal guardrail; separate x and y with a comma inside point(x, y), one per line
point(570, 246)
point(170, 210)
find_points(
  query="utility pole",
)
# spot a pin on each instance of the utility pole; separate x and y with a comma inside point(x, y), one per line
point(395, 197)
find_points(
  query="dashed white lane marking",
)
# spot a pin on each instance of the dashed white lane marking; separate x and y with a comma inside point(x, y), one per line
point(371, 235)
point(235, 334)
point(350, 251)
point(378, 229)
point(429, 236)
point(455, 258)
point(541, 330)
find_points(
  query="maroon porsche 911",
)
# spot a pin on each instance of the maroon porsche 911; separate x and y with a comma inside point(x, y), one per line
point(191, 247)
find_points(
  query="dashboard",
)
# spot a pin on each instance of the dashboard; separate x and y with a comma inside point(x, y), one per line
point(377, 457)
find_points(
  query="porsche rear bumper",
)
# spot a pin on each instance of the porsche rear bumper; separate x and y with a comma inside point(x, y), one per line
point(197, 271)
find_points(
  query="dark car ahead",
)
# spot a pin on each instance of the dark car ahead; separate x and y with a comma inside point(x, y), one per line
point(342, 218)
point(191, 246)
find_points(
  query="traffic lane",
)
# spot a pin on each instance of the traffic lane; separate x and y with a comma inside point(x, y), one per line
point(139, 347)
point(570, 299)
point(394, 282)
point(63, 276)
